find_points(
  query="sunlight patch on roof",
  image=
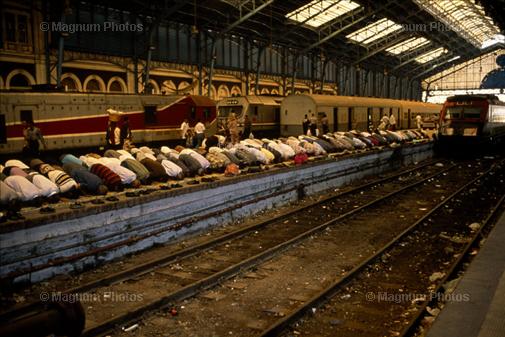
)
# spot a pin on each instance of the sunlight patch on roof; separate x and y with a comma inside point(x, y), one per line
point(319, 12)
point(431, 55)
point(374, 31)
point(465, 17)
point(408, 45)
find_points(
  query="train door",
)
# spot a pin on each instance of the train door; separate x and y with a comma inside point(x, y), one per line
point(335, 119)
point(3, 129)
point(277, 118)
point(350, 115)
point(409, 117)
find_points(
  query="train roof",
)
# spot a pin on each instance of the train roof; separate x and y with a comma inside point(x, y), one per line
point(363, 101)
point(252, 99)
point(481, 97)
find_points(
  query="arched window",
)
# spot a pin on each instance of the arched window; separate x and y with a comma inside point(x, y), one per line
point(69, 84)
point(19, 81)
point(93, 86)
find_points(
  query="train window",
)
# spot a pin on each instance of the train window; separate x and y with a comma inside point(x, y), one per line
point(470, 112)
point(150, 114)
point(192, 113)
point(453, 112)
point(26, 116)
point(206, 113)
point(3, 130)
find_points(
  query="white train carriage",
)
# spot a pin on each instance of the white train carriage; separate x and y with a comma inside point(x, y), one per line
point(263, 111)
point(347, 113)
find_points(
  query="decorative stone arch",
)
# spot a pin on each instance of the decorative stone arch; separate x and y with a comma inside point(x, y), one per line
point(26, 74)
point(265, 91)
point(122, 84)
point(274, 92)
point(223, 92)
point(298, 92)
point(155, 87)
point(236, 91)
point(1, 83)
point(74, 78)
point(101, 83)
point(168, 87)
point(213, 93)
point(185, 88)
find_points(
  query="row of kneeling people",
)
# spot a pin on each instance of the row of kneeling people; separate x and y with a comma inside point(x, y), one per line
point(116, 169)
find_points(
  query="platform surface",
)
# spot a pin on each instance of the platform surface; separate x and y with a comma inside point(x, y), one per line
point(483, 315)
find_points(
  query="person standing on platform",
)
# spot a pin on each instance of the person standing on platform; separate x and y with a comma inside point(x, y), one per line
point(113, 136)
point(199, 133)
point(392, 122)
point(305, 124)
point(384, 122)
point(233, 128)
point(125, 133)
point(184, 131)
point(419, 122)
point(324, 124)
point(313, 125)
point(33, 136)
point(247, 127)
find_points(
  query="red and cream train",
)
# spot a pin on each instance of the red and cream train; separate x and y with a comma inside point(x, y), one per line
point(80, 120)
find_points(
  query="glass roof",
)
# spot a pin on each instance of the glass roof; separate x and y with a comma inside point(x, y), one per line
point(465, 17)
point(431, 55)
point(319, 12)
point(407, 45)
point(374, 31)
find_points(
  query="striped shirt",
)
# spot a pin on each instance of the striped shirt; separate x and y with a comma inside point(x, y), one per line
point(109, 178)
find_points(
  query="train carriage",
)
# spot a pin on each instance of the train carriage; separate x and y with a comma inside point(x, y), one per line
point(347, 112)
point(80, 120)
point(263, 111)
point(472, 120)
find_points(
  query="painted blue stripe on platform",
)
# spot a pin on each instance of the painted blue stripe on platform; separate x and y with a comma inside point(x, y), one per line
point(484, 282)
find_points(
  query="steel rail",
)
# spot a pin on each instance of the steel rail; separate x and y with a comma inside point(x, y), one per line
point(190, 251)
point(326, 294)
point(196, 287)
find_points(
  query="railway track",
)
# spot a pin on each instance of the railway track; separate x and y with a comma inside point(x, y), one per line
point(248, 304)
point(388, 293)
point(194, 269)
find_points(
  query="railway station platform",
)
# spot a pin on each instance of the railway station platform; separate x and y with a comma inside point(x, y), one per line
point(44, 245)
point(484, 284)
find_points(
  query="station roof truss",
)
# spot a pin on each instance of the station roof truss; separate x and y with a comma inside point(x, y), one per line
point(380, 35)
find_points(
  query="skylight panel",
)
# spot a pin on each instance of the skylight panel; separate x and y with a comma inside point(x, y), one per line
point(374, 31)
point(319, 12)
point(465, 17)
point(431, 55)
point(407, 45)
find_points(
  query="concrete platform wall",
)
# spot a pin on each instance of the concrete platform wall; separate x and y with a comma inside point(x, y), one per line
point(72, 244)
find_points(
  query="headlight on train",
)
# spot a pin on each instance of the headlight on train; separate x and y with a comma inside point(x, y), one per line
point(470, 132)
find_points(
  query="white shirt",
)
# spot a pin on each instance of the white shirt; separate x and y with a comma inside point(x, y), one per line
point(6, 193)
point(25, 190)
point(125, 153)
point(46, 186)
point(199, 127)
point(89, 161)
point(184, 129)
point(392, 120)
point(171, 168)
point(127, 176)
point(16, 163)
